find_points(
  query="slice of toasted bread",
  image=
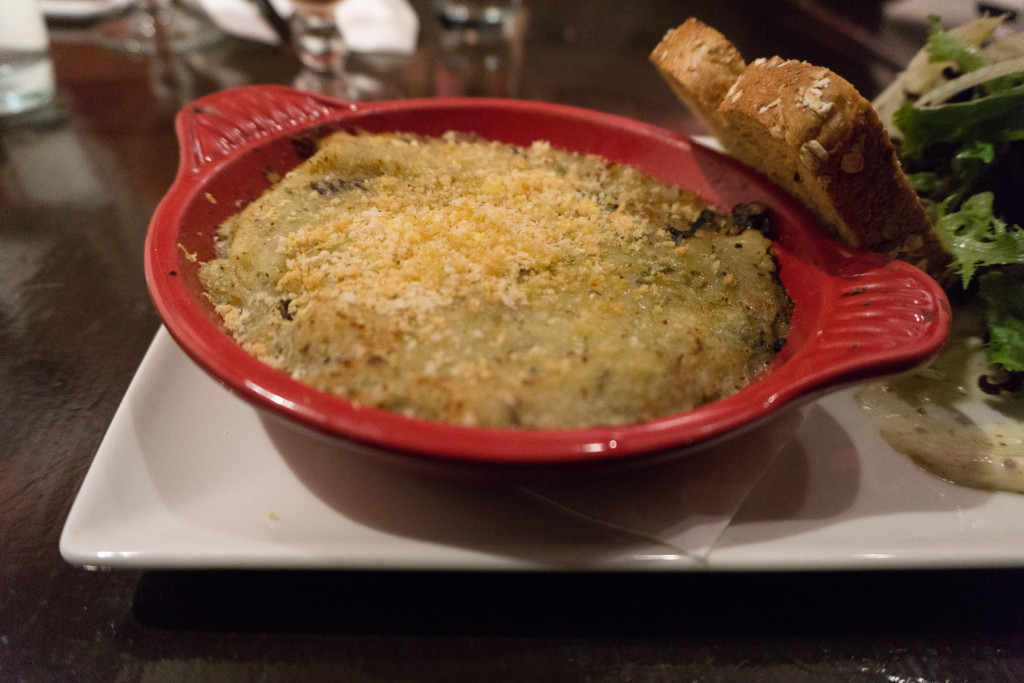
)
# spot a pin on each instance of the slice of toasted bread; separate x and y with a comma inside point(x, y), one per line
point(810, 131)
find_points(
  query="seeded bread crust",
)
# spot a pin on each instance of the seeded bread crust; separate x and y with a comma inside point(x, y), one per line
point(810, 131)
point(701, 66)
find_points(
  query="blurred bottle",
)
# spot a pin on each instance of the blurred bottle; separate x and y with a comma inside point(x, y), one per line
point(26, 71)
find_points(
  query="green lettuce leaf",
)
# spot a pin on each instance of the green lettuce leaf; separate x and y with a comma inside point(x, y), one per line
point(982, 151)
point(1004, 296)
point(925, 182)
point(945, 47)
point(975, 237)
point(992, 119)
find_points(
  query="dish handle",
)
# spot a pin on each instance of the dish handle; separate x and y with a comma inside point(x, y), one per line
point(217, 126)
point(894, 316)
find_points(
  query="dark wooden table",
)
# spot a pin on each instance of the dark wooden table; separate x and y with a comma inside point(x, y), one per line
point(78, 183)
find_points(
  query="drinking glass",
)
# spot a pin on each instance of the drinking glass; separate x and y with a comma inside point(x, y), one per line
point(491, 19)
point(322, 50)
point(26, 72)
point(158, 27)
point(481, 45)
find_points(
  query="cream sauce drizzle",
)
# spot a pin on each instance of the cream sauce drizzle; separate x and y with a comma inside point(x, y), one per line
point(939, 417)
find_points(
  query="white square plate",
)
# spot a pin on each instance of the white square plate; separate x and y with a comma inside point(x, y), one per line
point(188, 476)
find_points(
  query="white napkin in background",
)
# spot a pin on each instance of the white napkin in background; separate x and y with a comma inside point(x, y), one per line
point(383, 26)
point(389, 26)
point(242, 18)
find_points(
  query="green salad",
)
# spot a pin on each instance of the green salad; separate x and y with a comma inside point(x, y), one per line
point(956, 115)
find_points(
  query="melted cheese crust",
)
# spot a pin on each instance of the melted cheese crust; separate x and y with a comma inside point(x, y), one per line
point(478, 283)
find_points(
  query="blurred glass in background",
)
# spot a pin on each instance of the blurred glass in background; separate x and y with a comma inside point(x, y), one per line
point(158, 27)
point(26, 71)
point(480, 47)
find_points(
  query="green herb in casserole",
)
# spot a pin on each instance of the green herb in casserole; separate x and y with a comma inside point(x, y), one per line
point(472, 282)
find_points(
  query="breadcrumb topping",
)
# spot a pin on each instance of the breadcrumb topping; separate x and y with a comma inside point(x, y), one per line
point(473, 282)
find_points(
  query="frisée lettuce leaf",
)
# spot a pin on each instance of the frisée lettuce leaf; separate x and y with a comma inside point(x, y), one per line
point(976, 237)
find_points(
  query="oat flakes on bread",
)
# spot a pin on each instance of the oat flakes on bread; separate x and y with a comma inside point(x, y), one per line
point(810, 131)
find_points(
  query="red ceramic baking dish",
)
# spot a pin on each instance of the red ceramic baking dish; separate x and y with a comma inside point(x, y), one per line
point(856, 315)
